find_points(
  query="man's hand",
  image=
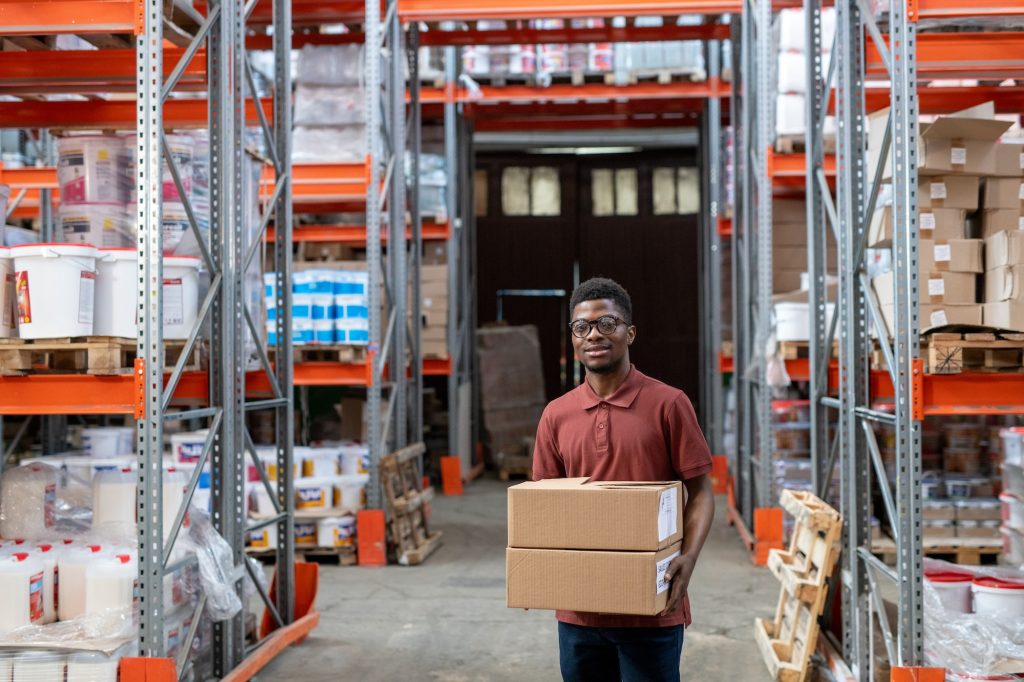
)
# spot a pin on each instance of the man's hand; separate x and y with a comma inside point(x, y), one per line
point(679, 572)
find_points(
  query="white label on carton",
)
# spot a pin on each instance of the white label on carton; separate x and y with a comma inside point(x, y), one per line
point(939, 318)
point(937, 287)
point(174, 302)
point(1020, 223)
point(1020, 192)
point(958, 156)
point(943, 253)
point(938, 190)
point(662, 567)
point(667, 514)
point(1022, 161)
point(927, 221)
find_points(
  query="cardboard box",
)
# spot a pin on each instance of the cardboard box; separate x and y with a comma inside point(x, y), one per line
point(962, 143)
point(930, 315)
point(978, 531)
point(572, 513)
point(785, 280)
point(949, 287)
point(790, 211)
point(950, 255)
point(948, 191)
point(1005, 315)
point(1004, 284)
point(591, 581)
point(1004, 249)
point(943, 531)
point(1001, 220)
point(1003, 193)
point(936, 511)
point(935, 223)
point(1010, 160)
point(434, 273)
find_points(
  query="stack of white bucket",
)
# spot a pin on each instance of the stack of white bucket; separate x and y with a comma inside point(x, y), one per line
point(1012, 497)
point(791, 70)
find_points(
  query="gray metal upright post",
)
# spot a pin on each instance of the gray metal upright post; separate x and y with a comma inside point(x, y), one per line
point(909, 564)
point(397, 245)
point(451, 161)
point(416, 243)
point(149, 424)
point(853, 370)
point(227, 126)
point(712, 404)
point(743, 245)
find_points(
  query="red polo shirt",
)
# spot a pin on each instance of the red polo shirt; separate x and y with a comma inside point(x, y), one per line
point(645, 431)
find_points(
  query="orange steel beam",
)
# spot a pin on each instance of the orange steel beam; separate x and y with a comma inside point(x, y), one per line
point(590, 92)
point(273, 645)
point(86, 393)
point(587, 123)
point(483, 112)
point(950, 9)
point(471, 10)
point(18, 17)
point(963, 55)
point(87, 71)
point(354, 234)
point(437, 367)
point(946, 100)
point(974, 393)
point(111, 114)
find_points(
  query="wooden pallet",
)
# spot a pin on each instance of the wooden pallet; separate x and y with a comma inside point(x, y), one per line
point(660, 76)
point(101, 355)
point(966, 551)
point(340, 353)
point(788, 641)
point(408, 506)
point(796, 144)
point(518, 465)
point(338, 556)
point(982, 351)
point(798, 350)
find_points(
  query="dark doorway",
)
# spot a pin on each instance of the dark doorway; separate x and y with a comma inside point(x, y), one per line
point(631, 217)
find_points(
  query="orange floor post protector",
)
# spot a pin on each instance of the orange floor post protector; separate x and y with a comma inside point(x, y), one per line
point(451, 475)
point(371, 538)
point(719, 474)
point(307, 584)
point(148, 670)
point(912, 674)
point(768, 533)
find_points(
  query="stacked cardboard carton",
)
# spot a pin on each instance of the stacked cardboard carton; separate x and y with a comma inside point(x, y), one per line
point(954, 153)
point(789, 245)
point(598, 547)
point(434, 309)
point(1002, 222)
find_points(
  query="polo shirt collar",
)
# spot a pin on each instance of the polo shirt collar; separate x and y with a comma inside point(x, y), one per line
point(623, 396)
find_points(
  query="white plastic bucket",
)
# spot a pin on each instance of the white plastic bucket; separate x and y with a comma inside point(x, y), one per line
point(314, 493)
point(187, 447)
point(264, 538)
point(1013, 510)
point(1000, 598)
point(337, 531)
point(320, 463)
point(114, 501)
point(8, 299)
point(117, 284)
point(355, 459)
point(90, 169)
point(101, 225)
point(21, 583)
point(1013, 545)
point(954, 589)
point(56, 289)
point(305, 534)
point(792, 320)
point(107, 441)
point(1013, 479)
point(28, 497)
point(349, 492)
point(181, 296)
point(173, 225)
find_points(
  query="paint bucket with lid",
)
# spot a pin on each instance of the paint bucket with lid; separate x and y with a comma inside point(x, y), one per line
point(117, 283)
point(181, 296)
point(28, 498)
point(355, 459)
point(953, 589)
point(263, 538)
point(105, 226)
point(56, 289)
point(187, 447)
point(1013, 510)
point(337, 531)
point(90, 169)
point(72, 566)
point(349, 492)
point(314, 493)
point(998, 598)
point(8, 299)
point(107, 441)
point(21, 583)
point(114, 500)
point(320, 462)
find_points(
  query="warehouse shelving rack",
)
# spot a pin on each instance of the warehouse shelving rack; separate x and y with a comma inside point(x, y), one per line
point(864, 50)
point(151, 394)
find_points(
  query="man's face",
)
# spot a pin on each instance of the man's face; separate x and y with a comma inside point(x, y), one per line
point(602, 353)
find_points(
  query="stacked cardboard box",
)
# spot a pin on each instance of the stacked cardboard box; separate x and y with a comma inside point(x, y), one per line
point(511, 387)
point(599, 547)
point(434, 309)
point(789, 245)
point(1002, 223)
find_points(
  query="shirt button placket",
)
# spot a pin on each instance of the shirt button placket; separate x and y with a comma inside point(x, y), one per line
point(602, 427)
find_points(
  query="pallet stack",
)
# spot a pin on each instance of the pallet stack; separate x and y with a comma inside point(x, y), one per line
point(408, 505)
point(803, 570)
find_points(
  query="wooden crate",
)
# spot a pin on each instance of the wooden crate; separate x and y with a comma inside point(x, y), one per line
point(803, 570)
point(986, 352)
point(100, 355)
point(408, 506)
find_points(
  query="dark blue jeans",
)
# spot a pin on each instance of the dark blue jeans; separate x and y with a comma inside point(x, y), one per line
point(619, 654)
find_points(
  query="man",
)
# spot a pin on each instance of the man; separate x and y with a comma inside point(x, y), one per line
point(620, 425)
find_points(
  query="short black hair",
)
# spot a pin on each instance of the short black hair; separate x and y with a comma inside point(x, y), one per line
point(599, 288)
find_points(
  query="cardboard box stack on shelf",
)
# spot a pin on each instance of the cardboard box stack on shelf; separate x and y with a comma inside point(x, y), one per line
point(955, 154)
point(1002, 223)
point(434, 309)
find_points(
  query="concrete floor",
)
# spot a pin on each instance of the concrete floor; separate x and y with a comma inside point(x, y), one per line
point(446, 620)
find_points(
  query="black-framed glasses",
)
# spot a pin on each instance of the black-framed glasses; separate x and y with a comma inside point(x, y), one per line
point(606, 324)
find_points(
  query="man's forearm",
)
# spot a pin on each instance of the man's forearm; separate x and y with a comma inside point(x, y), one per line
point(697, 515)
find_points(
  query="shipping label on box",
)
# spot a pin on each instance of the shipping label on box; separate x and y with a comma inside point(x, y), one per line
point(1003, 193)
point(1000, 220)
point(948, 191)
point(1010, 160)
point(630, 583)
point(574, 513)
point(1004, 284)
point(951, 255)
point(1004, 249)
